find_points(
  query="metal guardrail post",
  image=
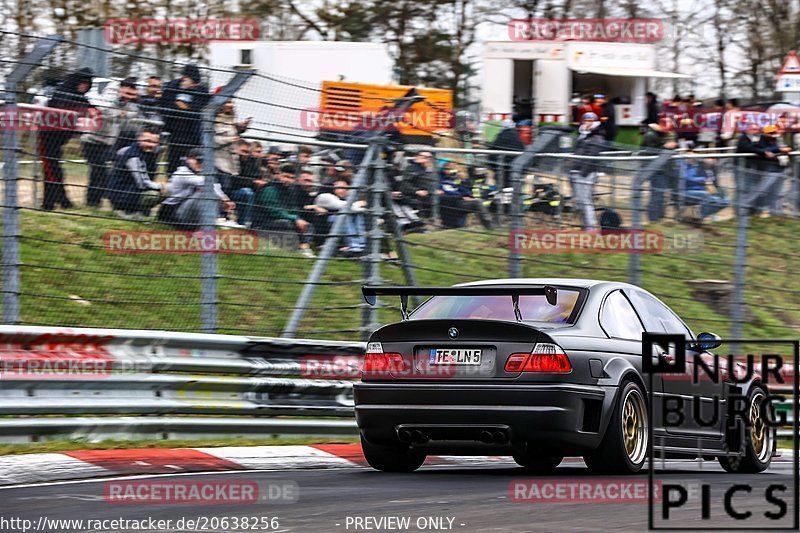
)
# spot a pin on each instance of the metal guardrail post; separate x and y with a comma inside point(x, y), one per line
point(11, 231)
point(208, 261)
point(546, 141)
point(644, 175)
point(331, 243)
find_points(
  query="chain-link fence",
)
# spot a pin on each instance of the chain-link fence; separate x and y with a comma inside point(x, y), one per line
point(224, 200)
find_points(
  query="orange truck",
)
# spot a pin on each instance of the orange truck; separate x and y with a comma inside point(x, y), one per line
point(346, 107)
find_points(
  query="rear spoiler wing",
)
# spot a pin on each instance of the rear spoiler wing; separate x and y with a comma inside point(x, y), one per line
point(371, 293)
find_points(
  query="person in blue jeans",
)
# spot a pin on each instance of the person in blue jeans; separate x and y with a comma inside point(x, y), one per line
point(697, 179)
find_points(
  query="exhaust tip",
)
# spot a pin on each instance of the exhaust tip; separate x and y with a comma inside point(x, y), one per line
point(419, 437)
point(404, 435)
point(486, 437)
point(499, 437)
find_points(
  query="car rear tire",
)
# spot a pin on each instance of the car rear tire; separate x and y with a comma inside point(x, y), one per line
point(536, 463)
point(759, 438)
point(392, 458)
point(624, 446)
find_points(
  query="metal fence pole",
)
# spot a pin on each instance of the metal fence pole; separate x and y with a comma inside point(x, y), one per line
point(546, 141)
point(11, 231)
point(645, 174)
point(331, 244)
point(208, 261)
point(372, 274)
point(742, 209)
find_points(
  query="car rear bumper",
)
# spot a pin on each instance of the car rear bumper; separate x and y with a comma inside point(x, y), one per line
point(559, 417)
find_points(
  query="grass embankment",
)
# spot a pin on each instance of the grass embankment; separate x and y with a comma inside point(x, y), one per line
point(70, 278)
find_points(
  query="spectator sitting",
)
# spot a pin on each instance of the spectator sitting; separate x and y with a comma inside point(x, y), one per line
point(132, 188)
point(241, 186)
point(119, 128)
point(457, 200)
point(417, 183)
point(272, 165)
point(184, 206)
point(355, 239)
point(304, 198)
point(276, 209)
point(698, 178)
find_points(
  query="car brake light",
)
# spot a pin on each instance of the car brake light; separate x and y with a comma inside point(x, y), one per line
point(377, 362)
point(545, 357)
point(516, 361)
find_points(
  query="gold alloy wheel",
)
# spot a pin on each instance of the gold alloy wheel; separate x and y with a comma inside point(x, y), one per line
point(760, 434)
point(634, 426)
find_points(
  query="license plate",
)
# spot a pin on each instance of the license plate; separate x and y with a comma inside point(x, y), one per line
point(455, 356)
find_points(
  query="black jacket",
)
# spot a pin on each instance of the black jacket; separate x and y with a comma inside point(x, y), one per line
point(182, 110)
point(610, 124)
point(591, 144)
point(764, 145)
point(66, 96)
point(745, 146)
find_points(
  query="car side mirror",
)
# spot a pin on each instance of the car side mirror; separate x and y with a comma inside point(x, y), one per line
point(708, 341)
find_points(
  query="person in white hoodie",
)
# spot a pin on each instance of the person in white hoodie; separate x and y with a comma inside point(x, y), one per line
point(184, 205)
point(355, 239)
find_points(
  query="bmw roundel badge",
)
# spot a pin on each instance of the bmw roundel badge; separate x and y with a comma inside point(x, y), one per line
point(453, 332)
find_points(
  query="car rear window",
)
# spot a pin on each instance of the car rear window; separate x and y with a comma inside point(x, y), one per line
point(534, 308)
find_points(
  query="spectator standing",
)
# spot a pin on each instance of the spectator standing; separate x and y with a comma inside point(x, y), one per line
point(150, 101)
point(226, 141)
point(774, 163)
point(656, 139)
point(584, 175)
point(651, 109)
point(747, 169)
point(132, 188)
point(730, 123)
point(507, 140)
point(70, 95)
point(119, 128)
point(608, 117)
point(184, 206)
point(182, 104)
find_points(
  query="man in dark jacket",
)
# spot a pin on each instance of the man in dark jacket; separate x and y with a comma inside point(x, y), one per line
point(182, 104)
point(70, 95)
point(774, 162)
point(655, 140)
point(584, 174)
point(747, 169)
point(132, 188)
point(277, 209)
point(507, 139)
point(608, 117)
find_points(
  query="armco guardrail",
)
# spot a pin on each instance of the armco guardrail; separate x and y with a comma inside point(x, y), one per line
point(103, 383)
point(112, 383)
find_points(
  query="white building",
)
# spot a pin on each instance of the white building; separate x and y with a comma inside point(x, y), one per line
point(541, 76)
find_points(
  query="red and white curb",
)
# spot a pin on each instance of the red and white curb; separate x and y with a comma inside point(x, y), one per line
point(43, 467)
point(87, 464)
